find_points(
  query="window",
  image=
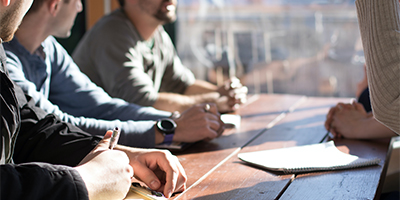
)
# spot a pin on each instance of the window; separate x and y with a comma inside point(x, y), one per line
point(308, 47)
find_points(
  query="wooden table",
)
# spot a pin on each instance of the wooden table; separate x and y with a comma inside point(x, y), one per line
point(276, 121)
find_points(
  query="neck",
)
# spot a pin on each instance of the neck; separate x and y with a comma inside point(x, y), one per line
point(146, 26)
point(31, 33)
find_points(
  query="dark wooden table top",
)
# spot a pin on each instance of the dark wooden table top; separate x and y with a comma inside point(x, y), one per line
point(277, 121)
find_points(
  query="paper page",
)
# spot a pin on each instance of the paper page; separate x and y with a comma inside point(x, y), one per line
point(305, 158)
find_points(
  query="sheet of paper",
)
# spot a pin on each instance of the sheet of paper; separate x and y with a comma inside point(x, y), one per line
point(305, 158)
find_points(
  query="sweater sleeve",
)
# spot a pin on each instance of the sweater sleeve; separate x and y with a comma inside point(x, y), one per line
point(380, 33)
point(41, 181)
point(76, 100)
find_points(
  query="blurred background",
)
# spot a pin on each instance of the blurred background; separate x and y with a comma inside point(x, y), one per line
point(305, 47)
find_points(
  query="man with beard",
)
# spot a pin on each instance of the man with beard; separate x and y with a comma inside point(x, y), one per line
point(130, 56)
point(45, 158)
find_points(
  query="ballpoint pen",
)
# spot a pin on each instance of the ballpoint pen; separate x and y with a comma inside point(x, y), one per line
point(114, 138)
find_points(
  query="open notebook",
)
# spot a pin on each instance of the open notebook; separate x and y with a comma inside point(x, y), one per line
point(300, 159)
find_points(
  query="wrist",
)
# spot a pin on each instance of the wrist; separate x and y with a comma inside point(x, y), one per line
point(166, 127)
point(159, 137)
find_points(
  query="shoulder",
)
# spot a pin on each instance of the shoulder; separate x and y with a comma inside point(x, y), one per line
point(15, 48)
point(53, 48)
point(114, 29)
point(16, 54)
point(112, 24)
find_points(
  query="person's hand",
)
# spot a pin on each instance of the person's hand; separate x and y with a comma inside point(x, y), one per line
point(200, 122)
point(347, 120)
point(158, 169)
point(106, 173)
point(232, 94)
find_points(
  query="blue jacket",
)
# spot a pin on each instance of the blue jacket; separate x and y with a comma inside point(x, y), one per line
point(58, 86)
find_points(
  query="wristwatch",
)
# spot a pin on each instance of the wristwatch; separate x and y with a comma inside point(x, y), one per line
point(167, 127)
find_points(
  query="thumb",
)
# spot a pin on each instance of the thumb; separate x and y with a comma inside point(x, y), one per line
point(102, 146)
point(105, 142)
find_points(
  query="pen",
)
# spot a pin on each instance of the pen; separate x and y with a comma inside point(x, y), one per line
point(114, 138)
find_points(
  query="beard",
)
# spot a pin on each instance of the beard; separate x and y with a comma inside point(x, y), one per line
point(167, 17)
point(157, 11)
point(10, 21)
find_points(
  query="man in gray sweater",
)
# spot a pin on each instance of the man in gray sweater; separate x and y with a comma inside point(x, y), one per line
point(131, 57)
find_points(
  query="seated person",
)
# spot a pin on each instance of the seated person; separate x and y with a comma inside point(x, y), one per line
point(41, 157)
point(45, 71)
point(379, 28)
point(136, 61)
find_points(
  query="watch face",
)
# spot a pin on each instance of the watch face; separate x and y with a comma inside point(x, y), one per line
point(166, 125)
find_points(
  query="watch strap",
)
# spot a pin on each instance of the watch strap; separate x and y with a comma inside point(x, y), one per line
point(168, 138)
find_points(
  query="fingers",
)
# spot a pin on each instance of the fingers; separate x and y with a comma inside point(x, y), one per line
point(214, 120)
point(175, 178)
point(329, 118)
point(235, 82)
point(234, 89)
point(237, 95)
point(146, 175)
point(210, 108)
point(216, 126)
point(161, 171)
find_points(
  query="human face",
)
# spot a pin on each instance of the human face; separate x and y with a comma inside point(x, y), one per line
point(64, 21)
point(11, 17)
point(162, 10)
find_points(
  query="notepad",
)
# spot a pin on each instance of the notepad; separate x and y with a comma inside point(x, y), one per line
point(308, 158)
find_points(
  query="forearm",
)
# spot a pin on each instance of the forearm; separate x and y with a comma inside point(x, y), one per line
point(380, 34)
point(199, 92)
point(133, 133)
point(372, 129)
point(177, 102)
point(200, 87)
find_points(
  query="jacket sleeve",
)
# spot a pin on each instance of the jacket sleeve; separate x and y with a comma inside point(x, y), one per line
point(41, 181)
point(45, 138)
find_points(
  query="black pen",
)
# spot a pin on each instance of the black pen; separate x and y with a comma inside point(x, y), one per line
point(114, 138)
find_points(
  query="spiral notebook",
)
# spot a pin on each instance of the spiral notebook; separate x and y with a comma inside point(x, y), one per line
point(308, 158)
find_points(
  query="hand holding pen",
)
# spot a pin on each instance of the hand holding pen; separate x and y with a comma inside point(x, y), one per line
point(113, 173)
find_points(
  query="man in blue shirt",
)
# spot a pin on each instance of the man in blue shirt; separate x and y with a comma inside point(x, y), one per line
point(45, 71)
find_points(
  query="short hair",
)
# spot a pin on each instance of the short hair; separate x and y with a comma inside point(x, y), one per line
point(38, 3)
point(121, 3)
